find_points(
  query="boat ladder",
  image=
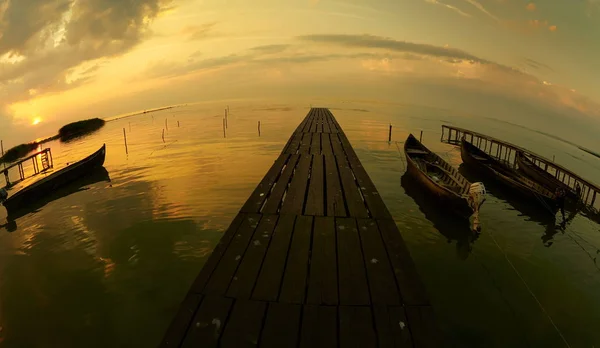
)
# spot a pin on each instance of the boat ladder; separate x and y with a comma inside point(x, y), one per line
point(45, 161)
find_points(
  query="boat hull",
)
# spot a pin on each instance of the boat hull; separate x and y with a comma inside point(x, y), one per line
point(511, 181)
point(542, 177)
point(48, 185)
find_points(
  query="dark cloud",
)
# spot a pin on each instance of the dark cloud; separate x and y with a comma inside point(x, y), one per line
point(380, 42)
point(91, 30)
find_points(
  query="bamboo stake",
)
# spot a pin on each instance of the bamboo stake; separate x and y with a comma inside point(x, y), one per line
point(125, 138)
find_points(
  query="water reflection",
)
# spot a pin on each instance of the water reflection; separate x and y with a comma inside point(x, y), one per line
point(451, 226)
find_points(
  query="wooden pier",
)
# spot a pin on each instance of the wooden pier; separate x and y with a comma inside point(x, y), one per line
point(41, 161)
point(313, 259)
point(506, 152)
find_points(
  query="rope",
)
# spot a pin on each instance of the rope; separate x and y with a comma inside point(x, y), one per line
point(530, 291)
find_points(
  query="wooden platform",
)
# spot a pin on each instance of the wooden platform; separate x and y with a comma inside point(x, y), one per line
point(313, 259)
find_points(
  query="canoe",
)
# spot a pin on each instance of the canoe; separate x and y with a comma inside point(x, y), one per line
point(437, 176)
point(536, 173)
point(49, 184)
point(504, 174)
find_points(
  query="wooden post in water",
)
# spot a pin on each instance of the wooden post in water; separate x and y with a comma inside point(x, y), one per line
point(420, 137)
point(177, 123)
point(125, 138)
point(259, 128)
point(226, 118)
point(390, 134)
point(166, 125)
point(163, 135)
point(224, 135)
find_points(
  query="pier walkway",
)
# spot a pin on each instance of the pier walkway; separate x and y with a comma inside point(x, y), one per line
point(313, 259)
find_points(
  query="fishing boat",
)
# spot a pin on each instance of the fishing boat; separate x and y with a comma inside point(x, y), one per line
point(440, 178)
point(541, 176)
point(504, 174)
point(46, 186)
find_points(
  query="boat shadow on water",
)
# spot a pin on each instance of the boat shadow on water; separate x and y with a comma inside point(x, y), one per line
point(97, 175)
point(452, 226)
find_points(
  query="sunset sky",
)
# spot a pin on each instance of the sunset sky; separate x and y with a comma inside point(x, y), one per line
point(65, 60)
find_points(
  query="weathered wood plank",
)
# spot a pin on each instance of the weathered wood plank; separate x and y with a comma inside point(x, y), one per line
point(315, 146)
point(356, 327)
point(319, 327)
point(296, 194)
point(294, 278)
point(257, 198)
point(282, 326)
point(207, 326)
point(180, 324)
point(412, 289)
point(392, 327)
point(353, 289)
point(423, 326)
point(245, 277)
point(294, 144)
point(336, 144)
point(315, 201)
point(217, 254)
point(326, 127)
point(353, 198)
point(371, 196)
point(274, 199)
point(244, 324)
point(305, 144)
point(335, 205)
point(269, 280)
point(323, 284)
point(326, 148)
point(221, 277)
point(382, 283)
point(313, 126)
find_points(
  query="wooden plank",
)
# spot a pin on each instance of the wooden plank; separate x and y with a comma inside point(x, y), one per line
point(243, 282)
point(411, 288)
point(257, 198)
point(244, 324)
point(315, 201)
point(353, 198)
point(274, 199)
point(326, 148)
point(207, 326)
point(323, 284)
point(271, 273)
point(221, 277)
point(305, 144)
point(423, 327)
point(335, 205)
point(356, 327)
point(217, 254)
point(392, 327)
point(281, 326)
point(336, 144)
point(313, 126)
point(351, 268)
point(296, 194)
point(382, 284)
point(181, 322)
point(319, 327)
point(308, 124)
point(315, 145)
point(294, 279)
point(294, 143)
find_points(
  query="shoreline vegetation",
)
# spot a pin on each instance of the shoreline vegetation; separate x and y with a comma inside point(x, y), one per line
point(68, 132)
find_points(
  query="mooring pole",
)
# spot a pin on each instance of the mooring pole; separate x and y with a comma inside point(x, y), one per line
point(259, 128)
point(224, 135)
point(390, 134)
point(125, 138)
point(421, 137)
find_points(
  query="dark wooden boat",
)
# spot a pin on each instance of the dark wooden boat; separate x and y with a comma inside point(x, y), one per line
point(535, 173)
point(439, 177)
point(52, 182)
point(504, 174)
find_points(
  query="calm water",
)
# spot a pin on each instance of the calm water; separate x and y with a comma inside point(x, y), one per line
point(109, 264)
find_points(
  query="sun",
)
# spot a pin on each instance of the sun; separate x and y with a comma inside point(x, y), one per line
point(36, 120)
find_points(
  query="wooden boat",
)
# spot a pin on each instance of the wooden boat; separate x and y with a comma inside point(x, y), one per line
point(504, 174)
point(52, 182)
point(437, 176)
point(534, 172)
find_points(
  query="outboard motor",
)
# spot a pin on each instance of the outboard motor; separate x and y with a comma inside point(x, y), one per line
point(3, 194)
point(476, 198)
